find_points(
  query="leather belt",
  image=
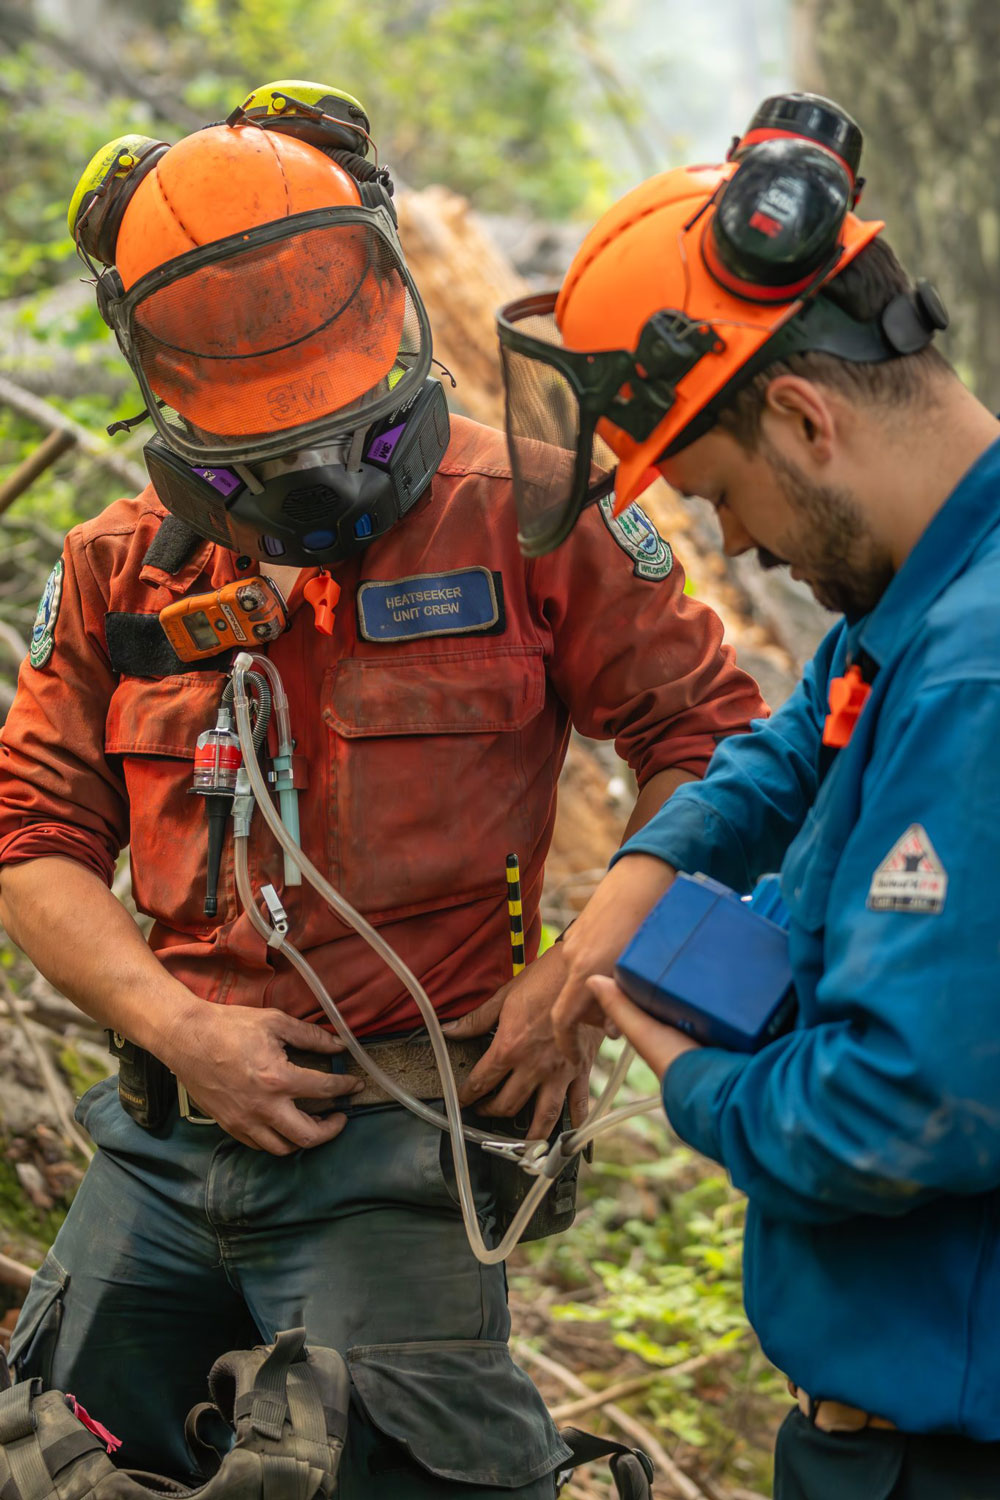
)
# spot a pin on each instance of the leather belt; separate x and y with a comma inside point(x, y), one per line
point(408, 1060)
point(836, 1416)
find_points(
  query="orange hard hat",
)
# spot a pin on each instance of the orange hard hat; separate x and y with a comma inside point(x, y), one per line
point(684, 291)
point(263, 295)
point(659, 249)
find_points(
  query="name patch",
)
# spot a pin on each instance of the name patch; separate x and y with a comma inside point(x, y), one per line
point(464, 602)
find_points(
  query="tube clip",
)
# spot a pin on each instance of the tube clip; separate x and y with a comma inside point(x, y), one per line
point(278, 915)
point(530, 1156)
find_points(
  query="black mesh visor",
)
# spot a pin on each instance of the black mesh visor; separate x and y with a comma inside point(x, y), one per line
point(278, 339)
point(559, 464)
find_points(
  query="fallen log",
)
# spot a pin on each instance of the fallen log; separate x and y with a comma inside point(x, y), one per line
point(49, 416)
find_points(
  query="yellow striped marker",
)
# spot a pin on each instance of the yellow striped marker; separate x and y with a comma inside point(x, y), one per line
point(514, 913)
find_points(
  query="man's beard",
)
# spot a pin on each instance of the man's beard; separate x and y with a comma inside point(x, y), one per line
point(833, 546)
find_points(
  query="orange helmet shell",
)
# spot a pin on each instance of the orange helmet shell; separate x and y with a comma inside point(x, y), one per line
point(237, 353)
point(219, 182)
point(645, 256)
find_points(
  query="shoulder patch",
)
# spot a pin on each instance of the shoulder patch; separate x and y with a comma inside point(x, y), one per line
point(465, 601)
point(635, 534)
point(911, 877)
point(43, 630)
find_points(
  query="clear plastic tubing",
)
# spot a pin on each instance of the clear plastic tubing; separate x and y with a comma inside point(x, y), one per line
point(452, 1119)
point(289, 796)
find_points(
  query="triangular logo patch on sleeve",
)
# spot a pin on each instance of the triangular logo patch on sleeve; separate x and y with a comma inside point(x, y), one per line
point(911, 877)
point(638, 537)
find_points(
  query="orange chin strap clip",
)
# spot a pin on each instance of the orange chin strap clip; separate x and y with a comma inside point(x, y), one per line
point(322, 592)
point(848, 696)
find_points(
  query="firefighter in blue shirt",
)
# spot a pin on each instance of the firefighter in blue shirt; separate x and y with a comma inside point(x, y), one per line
point(769, 354)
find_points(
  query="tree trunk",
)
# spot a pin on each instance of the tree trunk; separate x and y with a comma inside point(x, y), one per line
point(919, 76)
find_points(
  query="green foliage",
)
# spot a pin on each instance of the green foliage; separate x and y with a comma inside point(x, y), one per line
point(81, 1070)
point(655, 1259)
point(548, 937)
point(60, 120)
point(21, 1224)
point(491, 99)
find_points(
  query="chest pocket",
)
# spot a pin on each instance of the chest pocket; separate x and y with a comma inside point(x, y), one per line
point(427, 774)
point(152, 726)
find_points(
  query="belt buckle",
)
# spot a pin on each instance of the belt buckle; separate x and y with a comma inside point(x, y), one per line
point(189, 1111)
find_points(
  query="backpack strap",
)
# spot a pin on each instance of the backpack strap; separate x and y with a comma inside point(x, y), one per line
point(288, 1405)
point(20, 1450)
point(208, 1435)
point(631, 1468)
point(269, 1404)
point(39, 1438)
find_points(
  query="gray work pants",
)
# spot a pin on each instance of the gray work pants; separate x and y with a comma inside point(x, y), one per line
point(182, 1244)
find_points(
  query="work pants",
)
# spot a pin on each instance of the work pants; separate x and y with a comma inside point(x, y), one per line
point(183, 1244)
point(874, 1464)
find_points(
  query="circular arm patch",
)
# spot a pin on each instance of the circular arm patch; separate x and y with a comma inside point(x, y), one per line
point(638, 537)
point(42, 632)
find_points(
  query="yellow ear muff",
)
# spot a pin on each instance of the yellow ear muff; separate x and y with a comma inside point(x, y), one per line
point(105, 190)
point(314, 112)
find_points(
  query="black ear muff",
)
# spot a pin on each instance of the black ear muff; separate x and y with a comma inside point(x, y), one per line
point(378, 194)
point(777, 221)
point(342, 126)
point(109, 289)
point(99, 216)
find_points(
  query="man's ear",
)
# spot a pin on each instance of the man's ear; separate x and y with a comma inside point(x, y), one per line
point(800, 416)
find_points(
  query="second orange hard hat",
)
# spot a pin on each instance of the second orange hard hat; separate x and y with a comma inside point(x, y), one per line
point(659, 248)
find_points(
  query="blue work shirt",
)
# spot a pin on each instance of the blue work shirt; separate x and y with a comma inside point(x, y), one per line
point(867, 1140)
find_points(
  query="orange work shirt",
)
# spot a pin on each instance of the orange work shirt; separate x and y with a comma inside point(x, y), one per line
point(432, 740)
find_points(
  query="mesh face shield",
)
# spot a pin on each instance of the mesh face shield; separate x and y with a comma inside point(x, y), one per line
point(557, 398)
point(277, 339)
point(559, 464)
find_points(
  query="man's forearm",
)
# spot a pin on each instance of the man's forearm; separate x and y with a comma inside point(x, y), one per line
point(85, 942)
point(232, 1059)
point(652, 797)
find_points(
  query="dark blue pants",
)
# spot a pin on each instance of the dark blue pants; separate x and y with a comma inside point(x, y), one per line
point(183, 1244)
point(874, 1464)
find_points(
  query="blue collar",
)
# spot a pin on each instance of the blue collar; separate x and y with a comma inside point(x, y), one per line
point(970, 513)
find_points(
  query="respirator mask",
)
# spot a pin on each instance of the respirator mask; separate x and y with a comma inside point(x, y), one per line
point(318, 505)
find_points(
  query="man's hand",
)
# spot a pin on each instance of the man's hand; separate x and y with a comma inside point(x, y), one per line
point(230, 1058)
point(522, 1059)
point(597, 938)
point(232, 1061)
point(657, 1044)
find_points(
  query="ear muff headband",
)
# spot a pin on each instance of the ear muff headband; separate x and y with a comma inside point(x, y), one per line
point(317, 113)
point(808, 117)
point(105, 191)
point(777, 221)
point(329, 119)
